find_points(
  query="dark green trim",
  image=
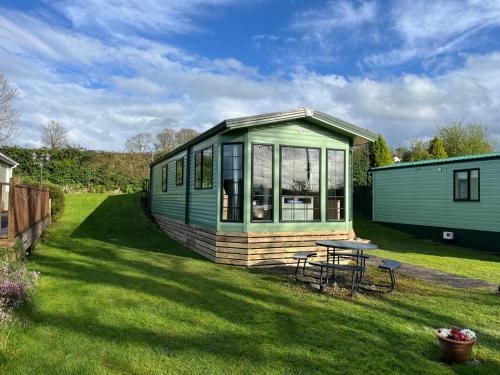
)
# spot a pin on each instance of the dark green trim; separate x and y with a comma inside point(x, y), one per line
point(474, 239)
point(164, 178)
point(211, 147)
point(150, 205)
point(203, 136)
point(242, 200)
point(468, 199)
point(428, 163)
point(177, 183)
point(327, 189)
point(334, 124)
point(281, 180)
point(251, 180)
point(188, 188)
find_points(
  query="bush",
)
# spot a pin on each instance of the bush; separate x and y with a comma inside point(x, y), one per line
point(17, 284)
point(78, 170)
point(56, 193)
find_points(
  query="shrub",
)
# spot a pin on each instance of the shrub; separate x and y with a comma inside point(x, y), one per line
point(79, 170)
point(17, 284)
point(56, 194)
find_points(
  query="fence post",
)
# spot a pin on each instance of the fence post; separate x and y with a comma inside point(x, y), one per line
point(12, 225)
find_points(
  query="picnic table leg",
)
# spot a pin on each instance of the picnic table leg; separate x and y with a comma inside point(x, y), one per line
point(320, 279)
point(333, 270)
point(353, 283)
point(297, 269)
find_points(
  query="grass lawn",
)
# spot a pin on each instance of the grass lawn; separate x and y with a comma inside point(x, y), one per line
point(116, 296)
point(484, 265)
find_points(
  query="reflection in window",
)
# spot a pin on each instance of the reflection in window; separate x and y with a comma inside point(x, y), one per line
point(300, 187)
point(336, 185)
point(262, 182)
point(179, 171)
point(466, 184)
point(232, 182)
point(203, 169)
point(164, 176)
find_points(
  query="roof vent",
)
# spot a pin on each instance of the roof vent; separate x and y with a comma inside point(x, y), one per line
point(309, 112)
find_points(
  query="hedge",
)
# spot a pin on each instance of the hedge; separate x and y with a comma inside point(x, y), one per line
point(75, 169)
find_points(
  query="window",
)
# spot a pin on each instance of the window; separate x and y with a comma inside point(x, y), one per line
point(203, 169)
point(232, 182)
point(262, 182)
point(300, 184)
point(466, 185)
point(335, 199)
point(164, 178)
point(179, 171)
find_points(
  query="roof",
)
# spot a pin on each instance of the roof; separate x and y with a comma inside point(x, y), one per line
point(10, 162)
point(359, 135)
point(456, 159)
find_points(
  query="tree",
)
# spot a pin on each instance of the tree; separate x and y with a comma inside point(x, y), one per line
point(360, 166)
point(419, 150)
point(459, 139)
point(142, 142)
point(403, 153)
point(380, 155)
point(9, 116)
point(436, 149)
point(165, 141)
point(184, 135)
point(54, 135)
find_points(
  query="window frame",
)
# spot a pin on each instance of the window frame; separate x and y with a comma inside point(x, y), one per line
point(468, 199)
point(181, 160)
point(281, 189)
point(328, 180)
point(164, 178)
point(251, 182)
point(200, 151)
point(242, 207)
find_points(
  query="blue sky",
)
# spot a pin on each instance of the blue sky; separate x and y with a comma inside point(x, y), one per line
point(107, 70)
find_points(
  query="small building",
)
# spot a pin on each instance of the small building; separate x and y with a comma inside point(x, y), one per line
point(459, 196)
point(7, 166)
point(252, 191)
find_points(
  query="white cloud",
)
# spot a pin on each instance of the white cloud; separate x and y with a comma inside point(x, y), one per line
point(335, 15)
point(116, 16)
point(118, 88)
point(434, 27)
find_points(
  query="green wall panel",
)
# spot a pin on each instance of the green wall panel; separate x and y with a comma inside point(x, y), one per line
point(172, 202)
point(204, 204)
point(424, 196)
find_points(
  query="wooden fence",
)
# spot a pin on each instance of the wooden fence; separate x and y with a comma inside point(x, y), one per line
point(27, 206)
point(363, 200)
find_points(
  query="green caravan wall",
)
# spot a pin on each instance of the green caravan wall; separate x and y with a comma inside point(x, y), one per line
point(173, 202)
point(424, 196)
point(294, 133)
point(203, 203)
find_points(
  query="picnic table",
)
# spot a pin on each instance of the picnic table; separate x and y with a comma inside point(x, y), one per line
point(333, 257)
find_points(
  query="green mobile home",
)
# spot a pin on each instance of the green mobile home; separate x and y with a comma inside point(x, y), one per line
point(455, 199)
point(253, 190)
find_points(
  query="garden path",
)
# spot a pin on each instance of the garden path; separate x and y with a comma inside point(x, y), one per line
point(436, 276)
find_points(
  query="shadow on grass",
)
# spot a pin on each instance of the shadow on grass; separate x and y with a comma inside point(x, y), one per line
point(130, 285)
point(119, 221)
point(391, 239)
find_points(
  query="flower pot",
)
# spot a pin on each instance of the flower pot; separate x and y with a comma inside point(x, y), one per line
point(455, 351)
